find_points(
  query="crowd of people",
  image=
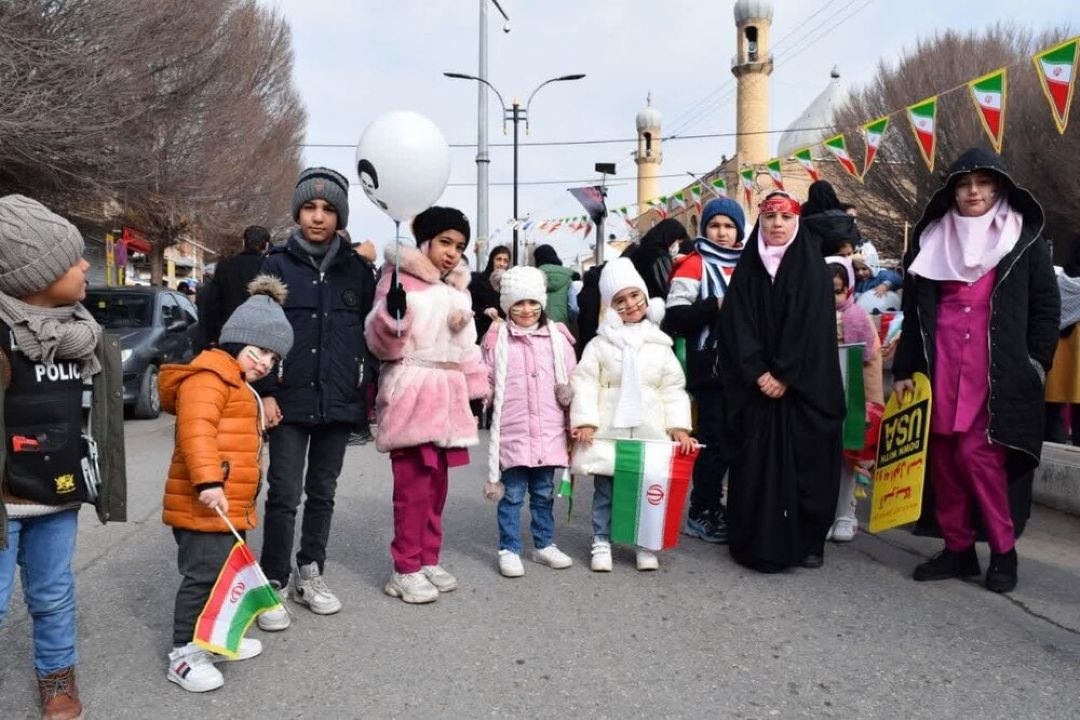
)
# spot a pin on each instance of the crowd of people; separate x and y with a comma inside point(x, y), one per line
point(727, 343)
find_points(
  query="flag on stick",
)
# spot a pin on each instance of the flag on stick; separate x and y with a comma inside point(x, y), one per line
point(807, 161)
point(651, 481)
point(923, 118)
point(855, 394)
point(874, 131)
point(988, 93)
point(1056, 67)
point(838, 147)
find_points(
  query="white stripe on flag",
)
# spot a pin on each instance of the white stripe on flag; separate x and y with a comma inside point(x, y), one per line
point(655, 488)
point(1056, 72)
point(251, 579)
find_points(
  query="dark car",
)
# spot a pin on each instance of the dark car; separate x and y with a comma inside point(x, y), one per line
point(156, 326)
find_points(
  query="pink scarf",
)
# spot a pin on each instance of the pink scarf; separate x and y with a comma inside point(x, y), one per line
point(964, 249)
point(773, 255)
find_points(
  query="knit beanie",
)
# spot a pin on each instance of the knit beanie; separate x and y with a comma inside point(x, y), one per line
point(320, 183)
point(618, 275)
point(37, 246)
point(435, 220)
point(522, 283)
point(260, 320)
point(724, 206)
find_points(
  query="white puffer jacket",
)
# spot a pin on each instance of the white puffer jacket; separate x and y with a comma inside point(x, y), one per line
point(596, 382)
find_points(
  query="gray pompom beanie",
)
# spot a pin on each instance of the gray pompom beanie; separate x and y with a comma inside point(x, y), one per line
point(260, 320)
point(324, 184)
point(37, 246)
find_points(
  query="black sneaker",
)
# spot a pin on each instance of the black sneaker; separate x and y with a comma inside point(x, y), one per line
point(1001, 575)
point(948, 564)
point(709, 526)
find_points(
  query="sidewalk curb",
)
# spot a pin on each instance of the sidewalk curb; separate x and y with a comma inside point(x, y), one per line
point(1057, 480)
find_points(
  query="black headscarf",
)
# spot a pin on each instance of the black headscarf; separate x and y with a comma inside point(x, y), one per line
point(824, 217)
point(546, 255)
point(484, 295)
point(490, 267)
point(820, 197)
point(652, 255)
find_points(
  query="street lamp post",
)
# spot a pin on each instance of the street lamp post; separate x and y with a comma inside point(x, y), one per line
point(515, 115)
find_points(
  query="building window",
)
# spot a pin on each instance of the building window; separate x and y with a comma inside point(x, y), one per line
point(648, 144)
point(751, 43)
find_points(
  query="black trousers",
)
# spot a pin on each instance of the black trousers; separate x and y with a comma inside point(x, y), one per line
point(323, 448)
point(707, 492)
point(199, 558)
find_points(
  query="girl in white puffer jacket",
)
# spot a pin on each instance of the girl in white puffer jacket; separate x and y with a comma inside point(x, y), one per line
point(628, 385)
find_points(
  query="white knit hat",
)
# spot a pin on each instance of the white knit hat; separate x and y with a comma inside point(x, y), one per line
point(618, 275)
point(522, 283)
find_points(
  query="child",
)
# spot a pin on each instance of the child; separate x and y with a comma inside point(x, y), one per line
point(529, 360)
point(628, 385)
point(853, 325)
point(432, 367)
point(44, 326)
point(881, 282)
point(216, 464)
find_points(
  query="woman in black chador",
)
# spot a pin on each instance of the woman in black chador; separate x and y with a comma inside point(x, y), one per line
point(781, 377)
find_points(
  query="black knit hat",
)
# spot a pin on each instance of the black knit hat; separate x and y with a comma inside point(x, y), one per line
point(435, 220)
point(323, 184)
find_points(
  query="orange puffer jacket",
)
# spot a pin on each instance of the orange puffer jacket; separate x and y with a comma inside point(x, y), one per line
point(217, 427)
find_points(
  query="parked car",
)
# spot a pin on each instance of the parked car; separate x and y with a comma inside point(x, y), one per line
point(156, 326)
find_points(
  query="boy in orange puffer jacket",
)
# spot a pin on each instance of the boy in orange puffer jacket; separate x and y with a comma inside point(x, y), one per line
point(216, 463)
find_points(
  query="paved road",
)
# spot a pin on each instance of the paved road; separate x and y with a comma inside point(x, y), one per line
point(700, 638)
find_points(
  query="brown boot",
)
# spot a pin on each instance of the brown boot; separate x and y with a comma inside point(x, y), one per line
point(60, 696)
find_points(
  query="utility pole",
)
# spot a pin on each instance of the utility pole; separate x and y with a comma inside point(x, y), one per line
point(482, 158)
point(517, 230)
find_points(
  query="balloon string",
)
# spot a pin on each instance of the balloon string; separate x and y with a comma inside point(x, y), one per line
point(397, 262)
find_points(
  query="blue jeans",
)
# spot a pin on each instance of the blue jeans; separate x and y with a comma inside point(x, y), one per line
point(601, 507)
point(43, 547)
point(540, 483)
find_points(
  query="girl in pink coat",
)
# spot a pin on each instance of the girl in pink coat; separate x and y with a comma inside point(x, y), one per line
point(431, 369)
point(529, 360)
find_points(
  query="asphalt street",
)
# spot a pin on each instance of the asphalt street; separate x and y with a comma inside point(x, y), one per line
point(702, 637)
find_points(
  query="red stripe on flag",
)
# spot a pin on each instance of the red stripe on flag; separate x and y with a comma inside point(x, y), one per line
point(239, 558)
point(682, 468)
point(1060, 92)
point(993, 120)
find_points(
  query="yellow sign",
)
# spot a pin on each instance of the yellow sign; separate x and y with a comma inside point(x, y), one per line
point(901, 459)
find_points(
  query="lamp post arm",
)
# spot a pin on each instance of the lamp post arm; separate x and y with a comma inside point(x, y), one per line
point(562, 78)
point(463, 76)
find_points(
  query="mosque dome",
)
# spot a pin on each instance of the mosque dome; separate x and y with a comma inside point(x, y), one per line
point(649, 118)
point(753, 9)
point(815, 122)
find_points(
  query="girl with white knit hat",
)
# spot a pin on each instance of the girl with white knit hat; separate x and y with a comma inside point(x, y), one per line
point(628, 385)
point(529, 360)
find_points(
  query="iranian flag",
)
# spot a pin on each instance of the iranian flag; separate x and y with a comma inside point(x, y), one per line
point(696, 191)
point(838, 147)
point(747, 175)
point(851, 365)
point(554, 226)
point(719, 187)
point(240, 594)
point(923, 119)
point(651, 481)
point(660, 206)
point(678, 200)
point(807, 161)
point(874, 132)
point(1056, 67)
point(988, 94)
point(775, 172)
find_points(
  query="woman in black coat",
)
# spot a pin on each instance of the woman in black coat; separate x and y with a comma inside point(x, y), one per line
point(652, 255)
point(981, 311)
point(485, 298)
point(824, 217)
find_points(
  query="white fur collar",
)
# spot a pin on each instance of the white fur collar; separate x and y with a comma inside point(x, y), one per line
point(410, 260)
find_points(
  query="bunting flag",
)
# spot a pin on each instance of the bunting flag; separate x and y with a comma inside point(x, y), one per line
point(747, 175)
point(874, 132)
point(807, 161)
point(678, 200)
point(988, 94)
point(923, 118)
point(660, 206)
point(554, 226)
point(719, 186)
point(588, 229)
point(776, 172)
point(696, 191)
point(1056, 68)
point(838, 147)
point(543, 225)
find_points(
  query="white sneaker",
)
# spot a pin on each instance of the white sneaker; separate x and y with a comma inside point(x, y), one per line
point(601, 556)
point(553, 557)
point(277, 619)
point(249, 648)
point(647, 560)
point(411, 587)
point(310, 589)
point(193, 669)
point(437, 576)
point(844, 529)
point(510, 564)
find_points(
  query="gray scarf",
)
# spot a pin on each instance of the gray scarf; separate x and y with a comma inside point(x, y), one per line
point(46, 335)
point(322, 254)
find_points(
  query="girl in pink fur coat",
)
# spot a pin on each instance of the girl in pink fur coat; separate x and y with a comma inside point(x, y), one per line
point(432, 367)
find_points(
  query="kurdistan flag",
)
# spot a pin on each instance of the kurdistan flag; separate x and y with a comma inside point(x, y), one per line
point(1056, 68)
point(807, 161)
point(988, 94)
point(240, 594)
point(775, 172)
point(923, 118)
point(838, 147)
point(874, 131)
point(651, 481)
point(851, 366)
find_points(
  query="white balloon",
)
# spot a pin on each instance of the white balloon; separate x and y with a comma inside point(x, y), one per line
point(403, 162)
point(870, 301)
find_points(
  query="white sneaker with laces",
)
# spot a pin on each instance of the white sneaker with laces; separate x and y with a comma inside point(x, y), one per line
point(277, 619)
point(844, 529)
point(249, 648)
point(553, 557)
point(192, 668)
point(647, 560)
point(437, 576)
point(309, 588)
point(413, 588)
point(510, 564)
point(601, 556)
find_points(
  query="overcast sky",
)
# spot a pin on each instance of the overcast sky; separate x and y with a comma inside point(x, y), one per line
point(357, 59)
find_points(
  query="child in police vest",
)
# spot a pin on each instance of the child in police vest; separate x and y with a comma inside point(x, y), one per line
point(216, 464)
point(49, 346)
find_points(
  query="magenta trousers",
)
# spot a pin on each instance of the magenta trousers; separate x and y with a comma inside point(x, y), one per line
point(967, 469)
point(420, 486)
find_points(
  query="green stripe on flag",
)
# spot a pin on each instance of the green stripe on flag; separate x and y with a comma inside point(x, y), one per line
point(255, 602)
point(626, 495)
point(855, 393)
